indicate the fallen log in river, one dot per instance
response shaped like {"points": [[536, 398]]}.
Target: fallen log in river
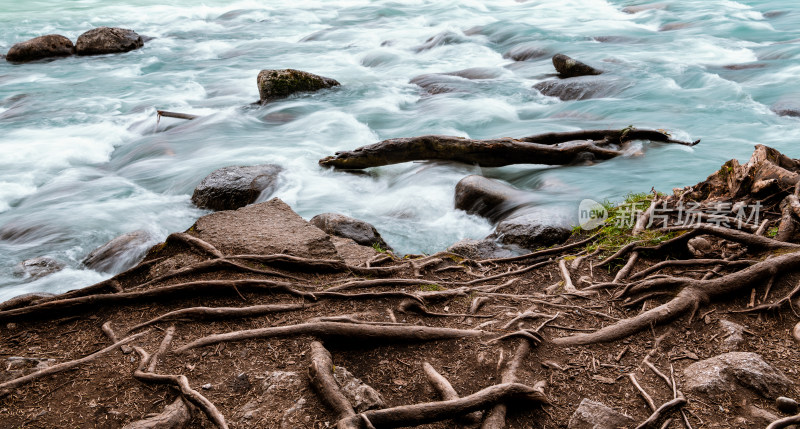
{"points": [[550, 148]]}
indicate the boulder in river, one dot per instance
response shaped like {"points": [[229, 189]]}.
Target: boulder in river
{"points": [[488, 198], [569, 67], [786, 108], [533, 228], [35, 268], [274, 84], [51, 45], [229, 188], [525, 52], [582, 88], [107, 40], [340, 225], [120, 253]]}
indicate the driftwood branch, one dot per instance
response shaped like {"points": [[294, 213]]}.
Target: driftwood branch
{"points": [[551, 149], [65, 365]]}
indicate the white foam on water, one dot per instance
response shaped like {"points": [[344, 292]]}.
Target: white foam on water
{"points": [[81, 161]]}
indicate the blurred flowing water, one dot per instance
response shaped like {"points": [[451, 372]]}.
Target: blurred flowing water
{"points": [[82, 161]]}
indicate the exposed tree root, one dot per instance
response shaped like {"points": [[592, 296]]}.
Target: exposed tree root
{"points": [[205, 286], [195, 243], [212, 265], [321, 374], [428, 412], [296, 263], [777, 304], [659, 415], [412, 306], [694, 294], [688, 262], [182, 384], [202, 313], [340, 331], [447, 393], [543, 252], [175, 415], [64, 366]]}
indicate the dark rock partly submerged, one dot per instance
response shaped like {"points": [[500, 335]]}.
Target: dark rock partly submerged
{"points": [[229, 188], [107, 40], [120, 253], [582, 88], [488, 198], [533, 228], [275, 84], [340, 225], [569, 67], [49, 46]]}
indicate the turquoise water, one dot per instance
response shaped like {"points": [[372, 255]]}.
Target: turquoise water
{"points": [[82, 160]]}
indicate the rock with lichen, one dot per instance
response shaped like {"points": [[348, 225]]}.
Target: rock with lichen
{"points": [[51, 45], [107, 40], [274, 84]]}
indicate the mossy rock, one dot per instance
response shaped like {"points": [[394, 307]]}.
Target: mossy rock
{"points": [[274, 84]]}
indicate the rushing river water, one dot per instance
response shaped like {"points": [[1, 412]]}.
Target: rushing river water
{"points": [[83, 161]]}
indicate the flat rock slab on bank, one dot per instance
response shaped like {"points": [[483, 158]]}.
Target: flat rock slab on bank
{"points": [[263, 229]]}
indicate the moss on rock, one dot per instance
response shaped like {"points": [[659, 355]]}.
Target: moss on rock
{"points": [[273, 84]]}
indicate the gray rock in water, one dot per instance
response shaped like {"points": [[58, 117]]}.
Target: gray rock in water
{"points": [[120, 253], [596, 415], [525, 53], [35, 268], [489, 198], [569, 67], [107, 40], [361, 396], [644, 7], [480, 249], [230, 188], [733, 335], [274, 84], [533, 228], [786, 108], [731, 371], [582, 88], [435, 83], [443, 38], [340, 225], [51, 45]]}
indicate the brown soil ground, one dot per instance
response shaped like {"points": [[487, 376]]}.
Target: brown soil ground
{"points": [[241, 376]]}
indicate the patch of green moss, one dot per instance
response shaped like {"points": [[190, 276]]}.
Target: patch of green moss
{"points": [[617, 231], [430, 288]]}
